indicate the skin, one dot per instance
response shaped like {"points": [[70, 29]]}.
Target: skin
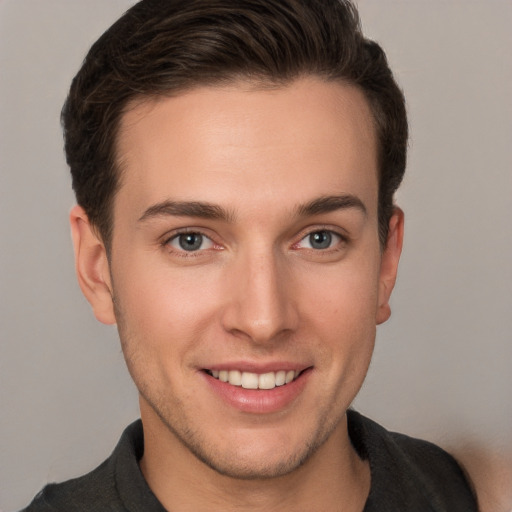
{"points": [[257, 291]]}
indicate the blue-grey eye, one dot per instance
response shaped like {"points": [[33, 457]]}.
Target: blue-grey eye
{"points": [[190, 242], [320, 240]]}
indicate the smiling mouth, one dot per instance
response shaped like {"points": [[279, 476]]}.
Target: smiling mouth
{"points": [[249, 380]]}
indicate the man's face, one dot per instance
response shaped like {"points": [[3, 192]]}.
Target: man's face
{"points": [[246, 248]]}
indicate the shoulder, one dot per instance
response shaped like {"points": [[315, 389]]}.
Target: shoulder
{"points": [[92, 492], [102, 488], [408, 472]]}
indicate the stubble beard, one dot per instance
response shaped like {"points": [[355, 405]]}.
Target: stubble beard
{"points": [[232, 466], [172, 413]]}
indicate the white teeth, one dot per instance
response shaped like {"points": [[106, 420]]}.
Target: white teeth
{"points": [[290, 375], [235, 378], [267, 380], [280, 378], [249, 380]]}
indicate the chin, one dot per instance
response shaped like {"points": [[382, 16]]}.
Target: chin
{"points": [[262, 465], [254, 453]]}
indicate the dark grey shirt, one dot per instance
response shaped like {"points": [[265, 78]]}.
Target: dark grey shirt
{"points": [[406, 475]]}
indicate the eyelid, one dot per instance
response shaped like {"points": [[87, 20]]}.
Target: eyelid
{"points": [[175, 239], [176, 233], [334, 230], [336, 239], [172, 235]]}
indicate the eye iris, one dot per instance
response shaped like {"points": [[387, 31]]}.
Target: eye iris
{"points": [[191, 241], [320, 239]]}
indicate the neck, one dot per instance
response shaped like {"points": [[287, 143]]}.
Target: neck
{"points": [[333, 478]]}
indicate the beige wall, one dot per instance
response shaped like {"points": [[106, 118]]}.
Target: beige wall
{"points": [[442, 365]]}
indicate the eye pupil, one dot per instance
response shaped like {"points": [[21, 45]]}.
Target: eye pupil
{"points": [[191, 241], [320, 239]]}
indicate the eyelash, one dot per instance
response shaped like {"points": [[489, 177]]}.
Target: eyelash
{"points": [[184, 253], [342, 240]]}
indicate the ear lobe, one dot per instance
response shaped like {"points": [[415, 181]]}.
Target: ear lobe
{"points": [[92, 266], [389, 264]]}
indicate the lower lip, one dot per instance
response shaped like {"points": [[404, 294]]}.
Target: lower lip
{"points": [[258, 401]]}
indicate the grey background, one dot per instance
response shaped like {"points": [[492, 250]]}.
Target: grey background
{"points": [[442, 365]]}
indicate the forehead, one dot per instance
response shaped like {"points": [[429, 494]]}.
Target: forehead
{"points": [[218, 144]]}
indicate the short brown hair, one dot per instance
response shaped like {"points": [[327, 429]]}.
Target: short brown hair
{"points": [[163, 47]]}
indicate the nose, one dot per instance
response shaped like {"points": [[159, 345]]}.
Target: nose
{"points": [[259, 303]]}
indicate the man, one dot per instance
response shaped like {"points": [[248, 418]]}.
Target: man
{"points": [[234, 164]]}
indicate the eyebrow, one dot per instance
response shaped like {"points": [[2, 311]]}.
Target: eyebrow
{"points": [[327, 204], [204, 210], [187, 209]]}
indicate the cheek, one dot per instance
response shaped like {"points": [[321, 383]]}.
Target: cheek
{"points": [[346, 293], [342, 313], [162, 305], [162, 317]]}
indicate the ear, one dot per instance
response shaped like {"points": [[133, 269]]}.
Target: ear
{"points": [[389, 264], [92, 266]]}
